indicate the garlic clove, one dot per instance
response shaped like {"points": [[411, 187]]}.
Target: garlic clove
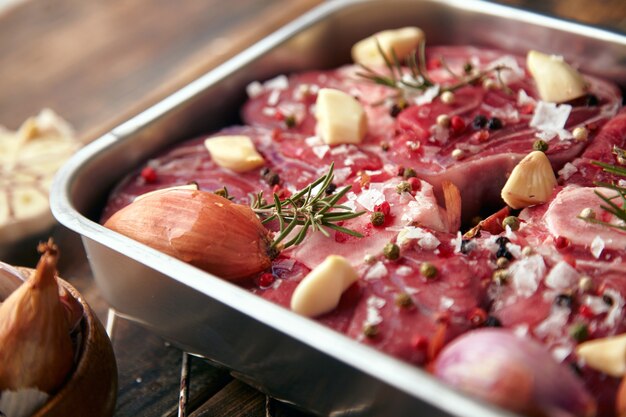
{"points": [[556, 80], [340, 117], [606, 355], [37, 350], [201, 228], [531, 182], [402, 41], [235, 152], [190, 186], [320, 291]]}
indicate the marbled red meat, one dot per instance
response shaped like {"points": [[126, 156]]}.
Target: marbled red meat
{"points": [[491, 279]]}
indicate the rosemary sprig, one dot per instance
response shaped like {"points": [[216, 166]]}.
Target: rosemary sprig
{"points": [[417, 78], [310, 208], [610, 206]]}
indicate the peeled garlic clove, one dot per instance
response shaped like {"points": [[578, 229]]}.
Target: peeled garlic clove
{"points": [[35, 338], [201, 228], [320, 291], [556, 80], [401, 41], [531, 182], [236, 152], [606, 355], [340, 117]]}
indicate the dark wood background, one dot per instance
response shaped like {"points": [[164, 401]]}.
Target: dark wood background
{"points": [[98, 62]]}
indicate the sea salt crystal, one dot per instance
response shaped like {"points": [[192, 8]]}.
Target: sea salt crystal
{"points": [[338, 150], [377, 271], [554, 323], [342, 174], [562, 276], [427, 96], [370, 198], [524, 99], [513, 72], [568, 170], [374, 304], [446, 302], [404, 271], [254, 89], [320, 151], [425, 239], [526, 274], [280, 82], [615, 313], [550, 117], [596, 304], [597, 246], [313, 141], [268, 111], [561, 352], [515, 250], [520, 330], [273, 98], [457, 242]]}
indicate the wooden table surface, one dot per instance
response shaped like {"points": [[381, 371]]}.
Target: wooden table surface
{"points": [[98, 62]]}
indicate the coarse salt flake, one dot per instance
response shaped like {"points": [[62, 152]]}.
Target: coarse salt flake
{"points": [[373, 304], [370, 198], [562, 276], [280, 82], [404, 271], [597, 246], [568, 170], [526, 274], [320, 151], [425, 239], [550, 116], [377, 271], [254, 89]]}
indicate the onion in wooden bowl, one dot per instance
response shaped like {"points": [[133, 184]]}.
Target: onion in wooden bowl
{"points": [[58, 359]]}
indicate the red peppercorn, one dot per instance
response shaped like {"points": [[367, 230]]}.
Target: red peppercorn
{"points": [[383, 207], [282, 193], [340, 237], [416, 184], [149, 175], [266, 279], [400, 171], [279, 116], [477, 316], [457, 124], [419, 342], [561, 242], [585, 311]]}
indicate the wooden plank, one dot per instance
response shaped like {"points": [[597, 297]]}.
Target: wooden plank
{"points": [[96, 63]]}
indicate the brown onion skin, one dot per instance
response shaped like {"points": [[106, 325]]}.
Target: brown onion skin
{"points": [[200, 228], [35, 345]]}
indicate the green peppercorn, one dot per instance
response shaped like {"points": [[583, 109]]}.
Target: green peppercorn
{"points": [[579, 332], [391, 251], [540, 145], [512, 222], [223, 192], [409, 173], [404, 187], [428, 270], [403, 300], [370, 330], [377, 218]]}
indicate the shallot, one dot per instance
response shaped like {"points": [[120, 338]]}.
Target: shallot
{"points": [[514, 373]]}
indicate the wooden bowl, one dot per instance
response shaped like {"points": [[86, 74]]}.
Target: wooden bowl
{"points": [[91, 389]]}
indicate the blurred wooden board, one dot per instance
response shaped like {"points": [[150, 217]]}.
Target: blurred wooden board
{"points": [[98, 62]]}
